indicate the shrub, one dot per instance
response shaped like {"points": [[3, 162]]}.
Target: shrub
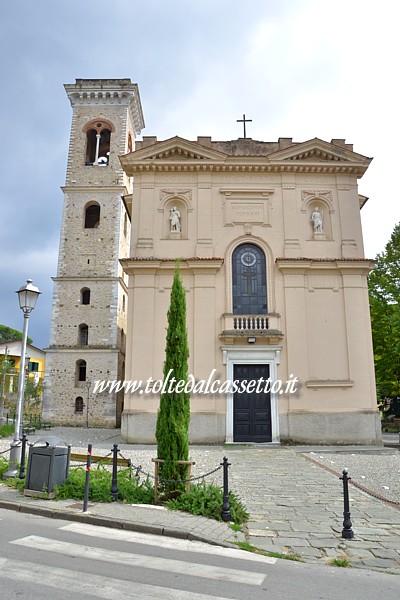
{"points": [[206, 500], [6, 430], [3, 466], [133, 491], [129, 489]]}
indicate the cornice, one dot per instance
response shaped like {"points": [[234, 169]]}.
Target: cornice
{"points": [[178, 154], [348, 266], [107, 92], [327, 383], [239, 165], [84, 278], [100, 189], [151, 265], [82, 349], [245, 191]]}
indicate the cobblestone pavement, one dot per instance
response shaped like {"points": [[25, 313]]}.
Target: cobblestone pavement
{"points": [[295, 504]]}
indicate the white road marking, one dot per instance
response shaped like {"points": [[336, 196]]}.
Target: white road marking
{"points": [[105, 588], [163, 542], [136, 560]]}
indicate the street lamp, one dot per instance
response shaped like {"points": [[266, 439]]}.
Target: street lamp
{"points": [[27, 296]]}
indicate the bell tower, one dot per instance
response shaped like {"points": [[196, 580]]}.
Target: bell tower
{"points": [[88, 327]]}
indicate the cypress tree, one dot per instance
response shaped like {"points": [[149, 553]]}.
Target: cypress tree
{"points": [[172, 431]]}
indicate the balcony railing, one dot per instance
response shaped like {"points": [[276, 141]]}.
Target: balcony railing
{"points": [[251, 324]]}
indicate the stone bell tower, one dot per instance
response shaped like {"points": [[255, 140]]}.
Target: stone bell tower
{"points": [[87, 339]]}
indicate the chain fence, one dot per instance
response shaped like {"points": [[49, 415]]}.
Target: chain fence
{"points": [[117, 455], [9, 449]]}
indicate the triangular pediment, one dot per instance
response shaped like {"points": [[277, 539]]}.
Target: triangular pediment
{"points": [[175, 148], [317, 150], [176, 154]]}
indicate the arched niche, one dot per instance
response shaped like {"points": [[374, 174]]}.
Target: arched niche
{"points": [[318, 220], [174, 213], [317, 207]]}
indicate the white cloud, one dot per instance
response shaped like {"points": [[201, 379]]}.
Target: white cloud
{"points": [[298, 69]]}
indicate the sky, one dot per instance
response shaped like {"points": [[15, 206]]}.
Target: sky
{"points": [[297, 68]]}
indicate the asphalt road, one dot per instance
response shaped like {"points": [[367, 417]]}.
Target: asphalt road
{"points": [[49, 558]]}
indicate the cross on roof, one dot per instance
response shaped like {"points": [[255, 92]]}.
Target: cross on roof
{"points": [[244, 121]]}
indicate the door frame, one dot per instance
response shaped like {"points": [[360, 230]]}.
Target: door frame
{"points": [[245, 356]]}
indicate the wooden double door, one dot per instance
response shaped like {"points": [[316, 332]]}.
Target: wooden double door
{"points": [[251, 409]]}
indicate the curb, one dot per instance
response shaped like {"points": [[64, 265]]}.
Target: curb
{"points": [[113, 523]]}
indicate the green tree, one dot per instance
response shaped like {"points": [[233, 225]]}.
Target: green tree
{"points": [[7, 334], [6, 367], [32, 393], [172, 431], [384, 296]]}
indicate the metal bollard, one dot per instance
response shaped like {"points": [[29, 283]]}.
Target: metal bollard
{"points": [[114, 481], [226, 514], [347, 531], [87, 480], [23, 454]]}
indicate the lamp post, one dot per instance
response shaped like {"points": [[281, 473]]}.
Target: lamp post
{"points": [[27, 296]]}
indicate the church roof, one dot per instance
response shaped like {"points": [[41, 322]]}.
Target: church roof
{"points": [[244, 154]]}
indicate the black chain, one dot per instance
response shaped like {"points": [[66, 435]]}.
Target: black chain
{"points": [[101, 458], [373, 494], [139, 470], [161, 479], [9, 449], [128, 460], [98, 460]]}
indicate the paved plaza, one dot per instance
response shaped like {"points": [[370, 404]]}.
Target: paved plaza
{"points": [[294, 497]]}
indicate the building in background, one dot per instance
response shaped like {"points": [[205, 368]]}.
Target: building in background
{"points": [[10, 360]]}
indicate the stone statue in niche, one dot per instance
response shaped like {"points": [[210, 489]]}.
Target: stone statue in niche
{"points": [[175, 218], [317, 220]]}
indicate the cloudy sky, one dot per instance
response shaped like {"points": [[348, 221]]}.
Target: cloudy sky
{"points": [[298, 68]]}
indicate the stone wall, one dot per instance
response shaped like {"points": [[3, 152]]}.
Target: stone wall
{"points": [[89, 257]]}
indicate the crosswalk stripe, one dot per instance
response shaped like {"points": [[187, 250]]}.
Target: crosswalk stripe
{"points": [[104, 588], [163, 542], [127, 558]]}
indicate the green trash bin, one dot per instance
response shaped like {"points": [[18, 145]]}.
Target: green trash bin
{"points": [[48, 465]]}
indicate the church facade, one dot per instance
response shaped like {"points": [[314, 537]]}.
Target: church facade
{"points": [[268, 239]]}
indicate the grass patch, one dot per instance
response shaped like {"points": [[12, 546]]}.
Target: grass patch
{"points": [[290, 556], [250, 548], [235, 527], [13, 482], [6, 430], [340, 562], [130, 490], [202, 499], [206, 500], [3, 466]]}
